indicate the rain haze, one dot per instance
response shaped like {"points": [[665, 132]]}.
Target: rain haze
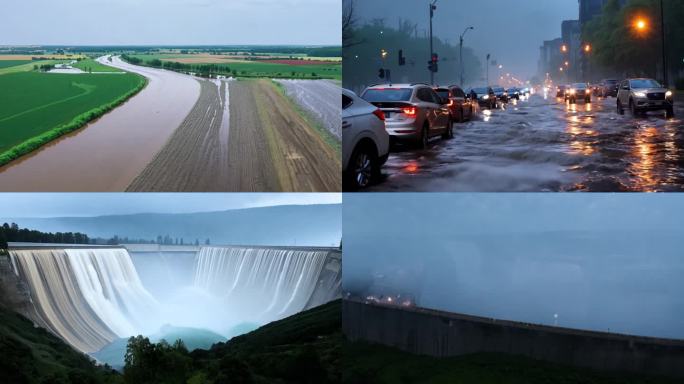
{"points": [[95, 204], [511, 31], [601, 262], [171, 22]]}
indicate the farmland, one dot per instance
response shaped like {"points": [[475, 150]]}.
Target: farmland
{"points": [[12, 63], [241, 65], [38, 107], [90, 65]]}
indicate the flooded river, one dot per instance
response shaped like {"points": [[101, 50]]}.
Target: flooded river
{"points": [[109, 153]]}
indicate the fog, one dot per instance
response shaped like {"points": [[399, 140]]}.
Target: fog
{"points": [[511, 31], [596, 261]]}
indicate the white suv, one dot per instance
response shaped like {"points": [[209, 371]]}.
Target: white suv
{"points": [[365, 142], [412, 111], [641, 95]]}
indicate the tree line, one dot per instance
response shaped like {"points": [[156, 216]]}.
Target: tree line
{"points": [[619, 49], [13, 233]]}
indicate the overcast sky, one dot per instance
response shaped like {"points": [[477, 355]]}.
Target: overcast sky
{"points": [[597, 261], [95, 204], [511, 31], [171, 22]]}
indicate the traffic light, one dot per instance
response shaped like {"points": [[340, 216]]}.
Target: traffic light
{"points": [[381, 73], [433, 63], [402, 59]]}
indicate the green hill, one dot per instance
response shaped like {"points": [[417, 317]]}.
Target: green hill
{"points": [[33, 355]]}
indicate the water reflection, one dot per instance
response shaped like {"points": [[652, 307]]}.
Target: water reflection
{"points": [[655, 158]]}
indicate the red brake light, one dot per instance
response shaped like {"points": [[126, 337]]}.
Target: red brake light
{"points": [[379, 114], [409, 111]]}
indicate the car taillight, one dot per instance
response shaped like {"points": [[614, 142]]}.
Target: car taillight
{"points": [[409, 111], [379, 114]]}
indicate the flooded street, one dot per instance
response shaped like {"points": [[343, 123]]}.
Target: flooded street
{"points": [[542, 144], [109, 153]]}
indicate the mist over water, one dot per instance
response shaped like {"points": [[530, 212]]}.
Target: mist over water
{"points": [[600, 262], [93, 297]]}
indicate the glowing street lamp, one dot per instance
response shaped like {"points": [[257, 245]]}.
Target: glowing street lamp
{"points": [[587, 48], [641, 24], [564, 48]]}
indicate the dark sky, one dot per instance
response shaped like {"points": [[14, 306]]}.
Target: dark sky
{"points": [[512, 31], [608, 262]]}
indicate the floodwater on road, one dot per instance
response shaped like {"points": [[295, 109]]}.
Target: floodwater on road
{"points": [[109, 153], [540, 144]]}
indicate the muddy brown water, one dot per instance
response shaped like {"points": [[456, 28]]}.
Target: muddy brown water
{"points": [[109, 153]]}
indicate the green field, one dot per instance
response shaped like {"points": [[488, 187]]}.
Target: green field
{"points": [[94, 66], [248, 68], [12, 63], [38, 107]]}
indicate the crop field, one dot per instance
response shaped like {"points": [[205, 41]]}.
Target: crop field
{"points": [[93, 66], [39, 107], [283, 67], [12, 63]]}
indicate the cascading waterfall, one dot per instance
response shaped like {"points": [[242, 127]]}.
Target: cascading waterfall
{"points": [[264, 284], [89, 297]]}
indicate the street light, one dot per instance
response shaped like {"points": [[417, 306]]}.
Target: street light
{"points": [[564, 48], [461, 52], [587, 48], [432, 52]]}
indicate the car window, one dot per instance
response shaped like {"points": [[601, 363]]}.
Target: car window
{"points": [[387, 94], [346, 101], [644, 83], [458, 92], [425, 94], [481, 91], [435, 97], [443, 93]]}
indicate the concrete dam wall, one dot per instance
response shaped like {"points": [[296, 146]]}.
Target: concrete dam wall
{"points": [[442, 334]]}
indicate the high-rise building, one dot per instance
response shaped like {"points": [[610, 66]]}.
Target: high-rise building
{"points": [[588, 9]]}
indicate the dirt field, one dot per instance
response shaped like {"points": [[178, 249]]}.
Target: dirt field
{"points": [[194, 158], [266, 147], [287, 146]]}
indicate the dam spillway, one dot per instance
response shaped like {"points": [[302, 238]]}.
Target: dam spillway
{"points": [[91, 296]]}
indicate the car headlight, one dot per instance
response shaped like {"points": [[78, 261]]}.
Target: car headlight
{"points": [[485, 97], [640, 94], [572, 91], [505, 93], [668, 94]]}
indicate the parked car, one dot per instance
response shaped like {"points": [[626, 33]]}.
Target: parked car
{"points": [[514, 93], [460, 105], [365, 142], [484, 96], [500, 93], [560, 91], [578, 91], [412, 111], [609, 87], [641, 95]]}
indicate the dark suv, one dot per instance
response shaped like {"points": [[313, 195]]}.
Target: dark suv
{"points": [[609, 87], [484, 96], [460, 105]]}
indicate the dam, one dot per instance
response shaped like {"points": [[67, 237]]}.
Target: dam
{"points": [[443, 334], [91, 296]]}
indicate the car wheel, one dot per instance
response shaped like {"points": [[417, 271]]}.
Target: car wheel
{"points": [[633, 108], [620, 110], [449, 133], [587, 100], [424, 137], [363, 167], [669, 112]]}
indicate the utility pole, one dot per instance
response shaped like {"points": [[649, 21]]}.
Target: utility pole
{"points": [[487, 65], [460, 55], [662, 34], [432, 52]]}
